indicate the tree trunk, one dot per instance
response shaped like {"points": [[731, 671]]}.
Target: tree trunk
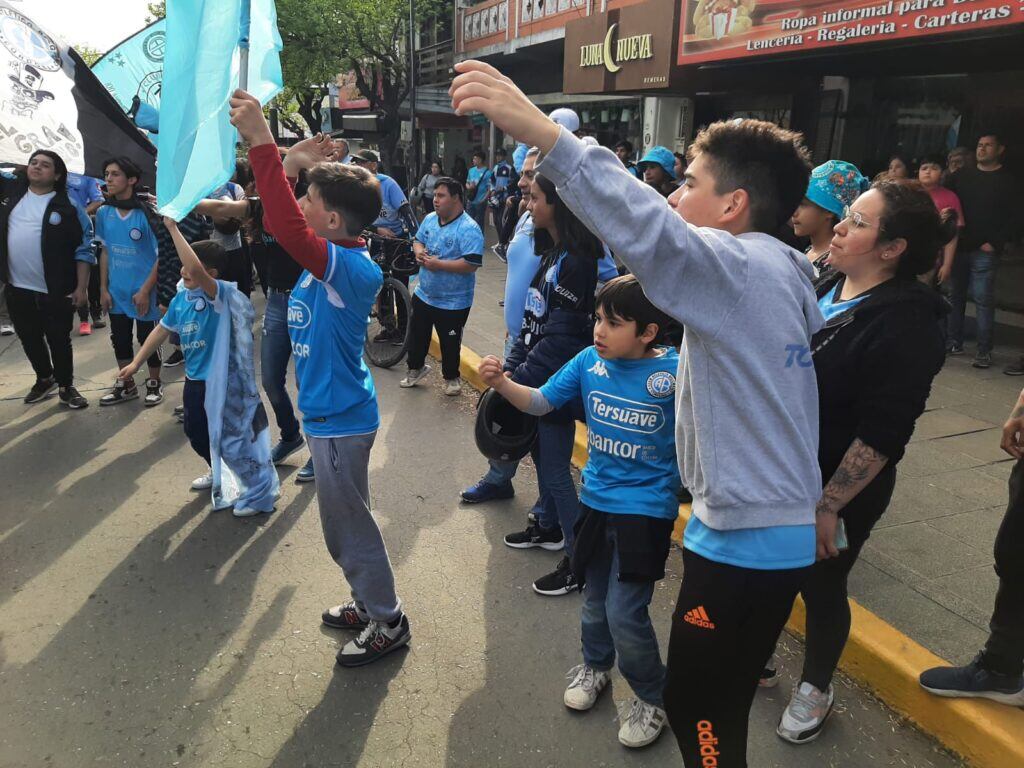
{"points": [[309, 107]]}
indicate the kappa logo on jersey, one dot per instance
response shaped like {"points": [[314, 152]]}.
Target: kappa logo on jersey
{"points": [[625, 414], [661, 384], [299, 315], [135, 234], [599, 369]]}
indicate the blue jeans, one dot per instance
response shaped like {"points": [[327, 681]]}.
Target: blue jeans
{"points": [[478, 212], [553, 458], [615, 621], [275, 351], [974, 272]]}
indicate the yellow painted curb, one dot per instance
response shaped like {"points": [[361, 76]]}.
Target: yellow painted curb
{"points": [[878, 655]]}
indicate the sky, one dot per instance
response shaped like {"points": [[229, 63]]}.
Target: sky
{"points": [[99, 24]]}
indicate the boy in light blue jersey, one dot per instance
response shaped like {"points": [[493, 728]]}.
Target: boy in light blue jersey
{"points": [[449, 247], [327, 315], [627, 383], [479, 183], [129, 256]]}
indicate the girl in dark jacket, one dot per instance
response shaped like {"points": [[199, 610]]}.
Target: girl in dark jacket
{"points": [[875, 360], [557, 324]]}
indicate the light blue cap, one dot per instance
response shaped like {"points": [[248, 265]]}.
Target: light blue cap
{"points": [[660, 156], [835, 185]]}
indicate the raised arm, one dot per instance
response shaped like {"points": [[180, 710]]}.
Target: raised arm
{"points": [[190, 261]]}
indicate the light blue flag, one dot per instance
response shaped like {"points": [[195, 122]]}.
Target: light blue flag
{"points": [[196, 143], [135, 67]]}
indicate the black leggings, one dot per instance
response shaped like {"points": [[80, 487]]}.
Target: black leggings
{"points": [[121, 338], [449, 324], [825, 591], [724, 628], [94, 307]]}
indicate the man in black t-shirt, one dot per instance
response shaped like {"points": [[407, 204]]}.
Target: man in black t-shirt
{"points": [[989, 195]]}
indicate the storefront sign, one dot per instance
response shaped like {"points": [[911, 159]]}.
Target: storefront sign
{"points": [[626, 49], [714, 30]]}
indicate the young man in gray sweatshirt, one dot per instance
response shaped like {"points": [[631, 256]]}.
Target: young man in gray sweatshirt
{"points": [[747, 400]]}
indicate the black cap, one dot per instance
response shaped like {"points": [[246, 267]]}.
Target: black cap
{"points": [[367, 156]]}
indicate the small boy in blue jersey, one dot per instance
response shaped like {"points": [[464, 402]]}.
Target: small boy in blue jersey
{"points": [[629, 505], [195, 314]]}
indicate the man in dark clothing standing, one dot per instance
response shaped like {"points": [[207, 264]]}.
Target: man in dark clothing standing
{"points": [[996, 672], [45, 259], [989, 196]]}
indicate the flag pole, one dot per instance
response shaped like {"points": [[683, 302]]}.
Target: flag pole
{"points": [[243, 46]]}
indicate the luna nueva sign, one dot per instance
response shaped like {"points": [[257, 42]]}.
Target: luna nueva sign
{"points": [[612, 55]]}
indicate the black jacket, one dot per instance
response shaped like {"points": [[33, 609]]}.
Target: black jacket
{"points": [[66, 237], [559, 319], [875, 364]]}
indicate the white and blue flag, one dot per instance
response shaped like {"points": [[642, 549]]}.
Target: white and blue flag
{"points": [[135, 67]]}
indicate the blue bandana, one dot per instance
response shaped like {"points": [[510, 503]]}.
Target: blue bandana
{"points": [[835, 185]]}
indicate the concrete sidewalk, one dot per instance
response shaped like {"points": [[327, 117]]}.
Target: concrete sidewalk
{"points": [[927, 568], [140, 630]]}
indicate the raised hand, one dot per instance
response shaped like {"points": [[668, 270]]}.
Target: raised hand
{"points": [[479, 87], [309, 152], [247, 117]]}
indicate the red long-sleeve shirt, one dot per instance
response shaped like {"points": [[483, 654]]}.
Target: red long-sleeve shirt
{"points": [[281, 213]]}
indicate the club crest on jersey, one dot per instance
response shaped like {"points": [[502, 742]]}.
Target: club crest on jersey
{"points": [[55, 218], [299, 315], [661, 384], [135, 234]]}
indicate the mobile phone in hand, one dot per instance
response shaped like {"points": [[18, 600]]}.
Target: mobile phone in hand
{"points": [[842, 543]]}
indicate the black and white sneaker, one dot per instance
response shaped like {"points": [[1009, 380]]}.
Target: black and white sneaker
{"points": [[70, 397], [122, 392], [41, 390], [377, 639], [550, 539], [154, 393], [179, 413], [176, 358], [345, 616], [561, 581]]}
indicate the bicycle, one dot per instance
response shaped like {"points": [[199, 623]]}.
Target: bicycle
{"points": [[388, 327]]}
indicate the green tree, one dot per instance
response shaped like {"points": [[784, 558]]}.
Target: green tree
{"points": [[89, 55], [367, 37], [156, 11]]}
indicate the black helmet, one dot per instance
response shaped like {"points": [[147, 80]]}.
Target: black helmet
{"points": [[503, 432]]}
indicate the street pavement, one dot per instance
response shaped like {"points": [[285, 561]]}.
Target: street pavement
{"points": [[139, 629]]}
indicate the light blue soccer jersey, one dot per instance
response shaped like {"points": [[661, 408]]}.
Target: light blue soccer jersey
{"points": [[194, 317], [460, 238], [327, 325], [131, 253], [630, 409]]}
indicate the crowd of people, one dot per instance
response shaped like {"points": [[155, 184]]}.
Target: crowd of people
{"points": [[777, 390]]}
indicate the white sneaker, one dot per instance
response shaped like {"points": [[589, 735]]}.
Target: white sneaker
{"points": [[6, 330], [642, 725], [805, 714], [452, 387], [247, 512], [414, 377], [203, 483], [587, 684]]}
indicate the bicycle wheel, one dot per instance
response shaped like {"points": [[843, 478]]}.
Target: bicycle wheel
{"points": [[387, 335]]}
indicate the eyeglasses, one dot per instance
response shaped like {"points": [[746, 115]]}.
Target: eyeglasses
{"points": [[858, 220]]}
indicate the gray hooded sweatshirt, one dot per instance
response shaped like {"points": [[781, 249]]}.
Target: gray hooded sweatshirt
{"points": [[747, 398]]}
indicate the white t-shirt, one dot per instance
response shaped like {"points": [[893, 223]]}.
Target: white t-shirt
{"points": [[25, 241]]}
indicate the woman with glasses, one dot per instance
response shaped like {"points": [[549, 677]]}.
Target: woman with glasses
{"points": [[875, 359]]}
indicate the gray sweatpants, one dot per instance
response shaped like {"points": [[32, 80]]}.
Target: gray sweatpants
{"points": [[352, 535]]}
